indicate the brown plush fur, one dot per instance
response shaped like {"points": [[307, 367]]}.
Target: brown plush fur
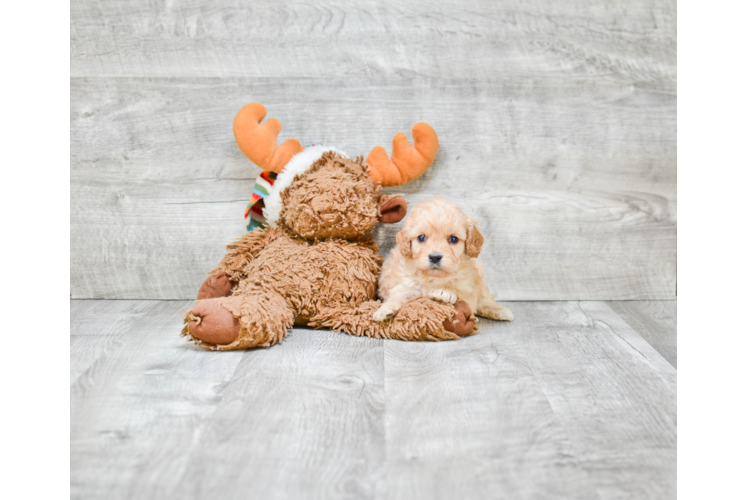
{"points": [[318, 268], [337, 200]]}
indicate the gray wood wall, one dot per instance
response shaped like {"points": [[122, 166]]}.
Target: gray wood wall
{"points": [[557, 127]]}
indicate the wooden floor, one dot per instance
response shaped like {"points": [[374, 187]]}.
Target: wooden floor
{"points": [[572, 400]]}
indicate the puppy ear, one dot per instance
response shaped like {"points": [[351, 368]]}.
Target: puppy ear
{"points": [[392, 208], [474, 240], [403, 243]]}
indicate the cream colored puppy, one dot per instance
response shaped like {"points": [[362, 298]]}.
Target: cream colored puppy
{"points": [[435, 257]]}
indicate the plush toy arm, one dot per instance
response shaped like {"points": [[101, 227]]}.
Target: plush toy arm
{"points": [[419, 319], [244, 250]]}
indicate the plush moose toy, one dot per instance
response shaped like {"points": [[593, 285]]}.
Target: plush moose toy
{"points": [[316, 263]]}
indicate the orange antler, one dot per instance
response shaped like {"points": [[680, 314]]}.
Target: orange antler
{"points": [[258, 142], [408, 162]]}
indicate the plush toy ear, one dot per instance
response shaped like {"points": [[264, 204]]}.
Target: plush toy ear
{"points": [[403, 242], [474, 240], [392, 208]]}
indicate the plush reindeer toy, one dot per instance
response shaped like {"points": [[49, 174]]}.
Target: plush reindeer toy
{"points": [[312, 260]]}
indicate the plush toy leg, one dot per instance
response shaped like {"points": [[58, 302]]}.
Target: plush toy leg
{"points": [[419, 319], [216, 285], [210, 323], [244, 250], [254, 319]]}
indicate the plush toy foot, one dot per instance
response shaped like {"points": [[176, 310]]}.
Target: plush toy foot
{"points": [[213, 324], [216, 285], [460, 323]]}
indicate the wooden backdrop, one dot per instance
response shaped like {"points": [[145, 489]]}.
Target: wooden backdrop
{"points": [[557, 127]]}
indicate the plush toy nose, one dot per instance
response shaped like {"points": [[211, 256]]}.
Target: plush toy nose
{"points": [[435, 258]]}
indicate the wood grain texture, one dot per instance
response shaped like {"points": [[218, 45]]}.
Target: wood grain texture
{"points": [[98, 326], [557, 126], [304, 420], [468, 419], [568, 402], [445, 39], [573, 204], [655, 321], [614, 394], [160, 418], [137, 412]]}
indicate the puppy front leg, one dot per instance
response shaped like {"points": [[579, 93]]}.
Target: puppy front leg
{"points": [[387, 310], [393, 302], [443, 295]]}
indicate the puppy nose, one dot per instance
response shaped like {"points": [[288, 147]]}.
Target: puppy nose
{"points": [[435, 258]]}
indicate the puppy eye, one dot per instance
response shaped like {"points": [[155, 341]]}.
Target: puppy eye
{"points": [[453, 239], [421, 238]]}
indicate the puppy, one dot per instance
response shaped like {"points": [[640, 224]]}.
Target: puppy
{"points": [[435, 256]]}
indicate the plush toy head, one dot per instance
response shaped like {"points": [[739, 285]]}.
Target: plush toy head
{"points": [[318, 192], [335, 198]]}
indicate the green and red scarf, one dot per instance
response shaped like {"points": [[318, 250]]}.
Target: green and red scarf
{"points": [[254, 210]]}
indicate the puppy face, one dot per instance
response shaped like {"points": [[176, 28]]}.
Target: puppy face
{"points": [[437, 236]]}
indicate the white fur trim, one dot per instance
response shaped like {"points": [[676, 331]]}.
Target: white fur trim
{"points": [[296, 165]]}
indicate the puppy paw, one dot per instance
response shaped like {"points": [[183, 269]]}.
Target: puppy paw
{"points": [[385, 312], [443, 295], [497, 313]]}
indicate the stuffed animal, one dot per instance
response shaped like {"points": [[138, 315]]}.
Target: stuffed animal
{"points": [[309, 258]]}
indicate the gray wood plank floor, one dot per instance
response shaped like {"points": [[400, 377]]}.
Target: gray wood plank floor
{"points": [[572, 400]]}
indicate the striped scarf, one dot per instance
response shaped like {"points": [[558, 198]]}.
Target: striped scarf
{"points": [[264, 183], [254, 210]]}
